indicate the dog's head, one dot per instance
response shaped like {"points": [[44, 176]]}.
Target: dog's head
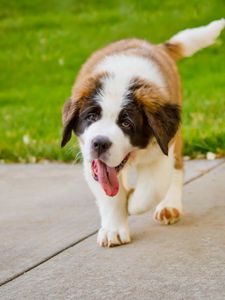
{"points": [[112, 119]]}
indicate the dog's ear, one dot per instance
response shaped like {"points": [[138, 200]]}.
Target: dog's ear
{"points": [[164, 120], [163, 117], [70, 116]]}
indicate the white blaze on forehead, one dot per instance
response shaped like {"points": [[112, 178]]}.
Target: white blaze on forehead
{"points": [[128, 66], [122, 69]]}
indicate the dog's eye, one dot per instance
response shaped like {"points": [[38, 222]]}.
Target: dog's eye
{"points": [[92, 117], [126, 124]]}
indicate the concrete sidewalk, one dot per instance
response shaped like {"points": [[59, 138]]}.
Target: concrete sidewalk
{"points": [[48, 244]]}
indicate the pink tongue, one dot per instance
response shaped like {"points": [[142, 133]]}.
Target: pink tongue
{"points": [[107, 177]]}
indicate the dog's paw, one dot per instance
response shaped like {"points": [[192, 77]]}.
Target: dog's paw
{"points": [[167, 215], [112, 238]]}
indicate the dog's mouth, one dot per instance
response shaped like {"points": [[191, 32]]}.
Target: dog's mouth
{"points": [[107, 176]]}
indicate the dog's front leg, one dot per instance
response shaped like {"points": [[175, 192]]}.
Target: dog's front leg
{"points": [[114, 229], [169, 209], [143, 197], [152, 183]]}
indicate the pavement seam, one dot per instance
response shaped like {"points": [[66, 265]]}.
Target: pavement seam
{"points": [[90, 235], [47, 259], [204, 172]]}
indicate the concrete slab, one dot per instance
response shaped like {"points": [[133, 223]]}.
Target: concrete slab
{"points": [[182, 261], [43, 210], [196, 168]]}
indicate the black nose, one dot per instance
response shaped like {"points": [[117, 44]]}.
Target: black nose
{"points": [[100, 144]]}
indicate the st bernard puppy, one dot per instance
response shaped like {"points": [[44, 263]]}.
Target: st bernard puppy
{"points": [[125, 109]]}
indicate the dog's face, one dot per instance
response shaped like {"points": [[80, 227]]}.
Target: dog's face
{"points": [[112, 119]]}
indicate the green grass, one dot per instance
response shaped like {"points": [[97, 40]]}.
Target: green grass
{"points": [[44, 43]]}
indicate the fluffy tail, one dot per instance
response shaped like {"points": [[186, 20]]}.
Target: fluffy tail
{"points": [[189, 41]]}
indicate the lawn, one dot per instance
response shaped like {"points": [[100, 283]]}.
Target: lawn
{"points": [[44, 43]]}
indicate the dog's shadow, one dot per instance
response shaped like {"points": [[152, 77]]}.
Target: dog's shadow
{"points": [[146, 229]]}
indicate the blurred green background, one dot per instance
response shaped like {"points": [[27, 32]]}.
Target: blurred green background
{"points": [[44, 43]]}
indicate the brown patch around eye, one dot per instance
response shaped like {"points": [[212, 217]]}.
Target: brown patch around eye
{"points": [[138, 132], [83, 96]]}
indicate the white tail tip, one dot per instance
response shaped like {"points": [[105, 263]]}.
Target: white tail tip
{"points": [[195, 39]]}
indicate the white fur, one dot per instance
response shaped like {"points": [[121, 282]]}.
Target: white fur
{"points": [[195, 39], [125, 67]]}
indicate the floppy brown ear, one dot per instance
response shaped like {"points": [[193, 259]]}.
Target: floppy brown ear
{"points": [[69, 117], [164, 120], [163, 117]]}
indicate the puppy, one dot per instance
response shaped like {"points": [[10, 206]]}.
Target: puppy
{"points": [[125, 109]]}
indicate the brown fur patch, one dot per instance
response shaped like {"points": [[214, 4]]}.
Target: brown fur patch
{"points": [[165, 213], [178, 161], [88, 86], [174, 50], [168, 216], [176, 213], [148, 94]]}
